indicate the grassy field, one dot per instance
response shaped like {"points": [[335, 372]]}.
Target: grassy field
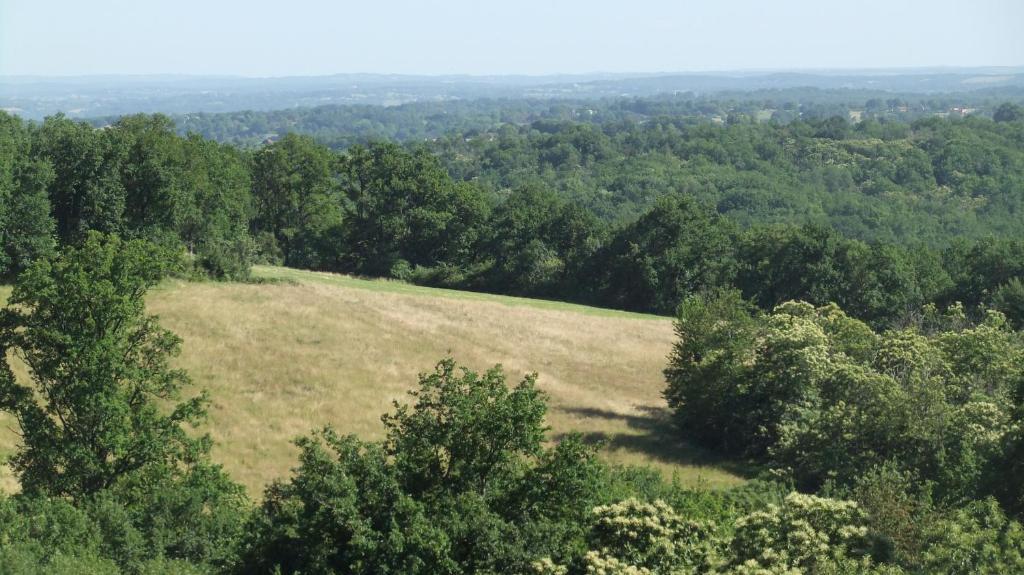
{"points": [[282, 358]]}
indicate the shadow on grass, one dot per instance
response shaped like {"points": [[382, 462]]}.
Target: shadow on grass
{"points": [[657, 437]]}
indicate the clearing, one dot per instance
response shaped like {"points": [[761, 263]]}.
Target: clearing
{"points": [[310, 349]]}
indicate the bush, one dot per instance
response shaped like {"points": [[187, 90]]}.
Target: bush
{"points": [[462, 484], [817, 394], [798, 535]]}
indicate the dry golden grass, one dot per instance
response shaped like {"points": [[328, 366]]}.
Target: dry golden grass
{"points": [[282, 359]]}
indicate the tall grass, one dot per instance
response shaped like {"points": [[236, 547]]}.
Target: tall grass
{"points": [[282, 358]]}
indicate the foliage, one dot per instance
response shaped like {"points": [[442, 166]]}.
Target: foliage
{"points": [[461, 484], [100, 367], [26, 227], [976, 539], [804, 531], [86, 192], [1009, 299], [878, 283], [105, 436], [802, 534], [402, 206], [651, 537], [49, 536], [636, 206], [296, 197], [64, 179], [537, 244], [1008, 112], [191, 189], [677, 249], [819, 394]]}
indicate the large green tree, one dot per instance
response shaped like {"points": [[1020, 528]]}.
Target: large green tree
{"points": [[537, 243], [100, 401], [211, 216], [462, 484], [186, 190], [86, 192], [679, 248], [404, 211], [26, 227], [151, 171], [297, 200]]}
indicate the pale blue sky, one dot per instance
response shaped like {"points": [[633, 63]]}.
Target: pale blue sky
{"points": [[310, 37]]}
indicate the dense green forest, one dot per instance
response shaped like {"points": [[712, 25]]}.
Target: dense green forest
{"points": [[880, 217], [848, 298]]}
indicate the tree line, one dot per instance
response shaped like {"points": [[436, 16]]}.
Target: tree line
{"points": [[61, 179], [880, 218]]}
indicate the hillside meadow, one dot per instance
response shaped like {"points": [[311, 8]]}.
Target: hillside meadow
{"points": [[303, 349]]}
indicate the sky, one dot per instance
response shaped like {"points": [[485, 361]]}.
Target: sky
{"points": [[315, 37]]}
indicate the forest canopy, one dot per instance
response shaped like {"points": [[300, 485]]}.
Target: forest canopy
{"points": [[879, 216]]}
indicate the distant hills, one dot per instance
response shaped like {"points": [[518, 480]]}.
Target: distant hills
{"points": [[35, 97]]}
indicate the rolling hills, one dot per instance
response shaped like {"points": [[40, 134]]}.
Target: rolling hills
{"points": [[302, 349]]}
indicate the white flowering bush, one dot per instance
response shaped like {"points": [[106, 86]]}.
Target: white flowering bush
{"points": [[752, 567], [976, 540], [597, 563], [803, 531], [546, 566], [634, 537], [653, 536], [984, 359], [804, 534]]}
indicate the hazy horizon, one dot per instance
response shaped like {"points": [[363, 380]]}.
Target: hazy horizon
{"points": [[895, 70], [262, 39]]}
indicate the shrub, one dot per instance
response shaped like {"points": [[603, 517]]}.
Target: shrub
{"points": [[817, 394], [462, 484]]}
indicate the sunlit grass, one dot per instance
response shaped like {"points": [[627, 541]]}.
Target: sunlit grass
{"points": [[280, 359], [399, 287]]}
